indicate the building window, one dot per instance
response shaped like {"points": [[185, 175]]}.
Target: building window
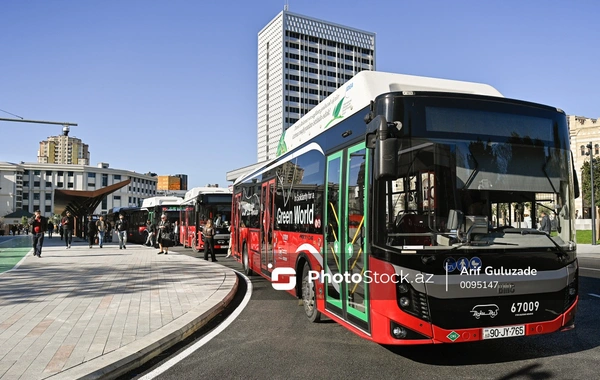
{"points": [[116, 197], [48, 172], [48, 208], [70, 174], [91, 184], [25, 183], [104, 203], [36, 196], [26, 172], [60, 173], [104, 179], [117, 177], [25, 196], [91, 175], [48, 184], [48, 196], [70, 185], [36, 183], [36, 172], [60, 184], [596, 149]]}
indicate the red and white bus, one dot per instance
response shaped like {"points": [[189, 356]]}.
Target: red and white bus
{"points": [[394, 207], [201, 204]]}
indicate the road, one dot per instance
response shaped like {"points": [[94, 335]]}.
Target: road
{"points": [[271, 339]]}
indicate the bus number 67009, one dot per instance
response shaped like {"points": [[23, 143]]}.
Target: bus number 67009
{"points": [[524, 307]]}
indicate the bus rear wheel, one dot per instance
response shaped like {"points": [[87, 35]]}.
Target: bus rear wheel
{"points": [[195, 246], [246, 262], [309, 298]]}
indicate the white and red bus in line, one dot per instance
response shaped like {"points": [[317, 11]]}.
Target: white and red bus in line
{"points": [[201, 204], [390, 209], [171, 206]]}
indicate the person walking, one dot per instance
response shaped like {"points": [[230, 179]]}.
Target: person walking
{"points": [[209, 240], [101, 227], [50, 229], [91, 230], [176, 233], [164, 235], [121, 228], [229, 248], [545, 225], [39, 226], [68, 224], [151, 233]]}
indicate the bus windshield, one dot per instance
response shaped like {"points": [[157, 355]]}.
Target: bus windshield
{"points": [[478, 174]]}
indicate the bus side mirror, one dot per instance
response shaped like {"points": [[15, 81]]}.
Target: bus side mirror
{"points": [[380, 137]]}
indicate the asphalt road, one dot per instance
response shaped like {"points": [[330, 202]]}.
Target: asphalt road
{"points": [[272, 339]]}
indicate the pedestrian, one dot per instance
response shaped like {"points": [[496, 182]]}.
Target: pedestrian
{"points": [[229, 248], [60, 231], [150, 238], [50, 229], [68, 224], [121, 228], [545, 225], [164, 235], [39, 226], [91, 230], [209, 240], [101, 227], [176, 233]]}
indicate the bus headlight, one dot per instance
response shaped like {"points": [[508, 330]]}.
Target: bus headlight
{"points": [[404, 302]]}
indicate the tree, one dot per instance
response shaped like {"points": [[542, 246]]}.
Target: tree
{"points": [[586, 184]]}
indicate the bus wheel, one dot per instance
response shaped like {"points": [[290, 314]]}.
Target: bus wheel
{"points": [[194, 246], [246, 262], [309, 298]]}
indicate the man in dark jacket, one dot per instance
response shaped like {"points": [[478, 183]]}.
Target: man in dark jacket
{"points": [[545, 225], [39, 225], [91, 230], [121, 228], [68, 224]]}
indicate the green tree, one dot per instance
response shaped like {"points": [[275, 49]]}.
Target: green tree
{"points": [[586, 183]]}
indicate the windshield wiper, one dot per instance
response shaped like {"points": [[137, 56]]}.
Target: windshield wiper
{"points": [[562, 254]]}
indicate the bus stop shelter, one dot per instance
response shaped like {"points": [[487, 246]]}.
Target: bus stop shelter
{"points": [[82, 203]]}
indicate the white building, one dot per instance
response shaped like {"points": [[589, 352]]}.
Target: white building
{"points": [[31, 186], [582, 131], [302, 60]]}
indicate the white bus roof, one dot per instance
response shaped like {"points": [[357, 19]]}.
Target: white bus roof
{"points": [[194, 192], [358, 92], [159, 201]]}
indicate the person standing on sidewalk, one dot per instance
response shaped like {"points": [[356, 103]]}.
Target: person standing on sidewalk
{"points": [[50, 229], [150, 229], [39, 225], [121, 228], [176, 233], [209, 240], [91, 230], [164, 235], [68, 224], [101, 227]]}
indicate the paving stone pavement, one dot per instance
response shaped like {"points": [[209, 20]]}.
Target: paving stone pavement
{"points": [[90, 313]]}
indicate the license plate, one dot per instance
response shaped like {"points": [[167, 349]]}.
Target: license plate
{"points": [[503, 332]]}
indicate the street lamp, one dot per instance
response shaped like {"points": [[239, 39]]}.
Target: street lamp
{"points": [[589, 153]]}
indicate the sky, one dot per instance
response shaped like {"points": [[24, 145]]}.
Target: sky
{"points": [[169, 86]]}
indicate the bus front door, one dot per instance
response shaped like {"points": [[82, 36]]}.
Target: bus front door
{"points": [[235, 231], [345, 256], [267, 208]]}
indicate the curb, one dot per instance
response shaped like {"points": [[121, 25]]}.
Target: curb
{"points": [[135, 354]]}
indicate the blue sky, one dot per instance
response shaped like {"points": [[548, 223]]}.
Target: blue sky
{"points": [[170, 86]]}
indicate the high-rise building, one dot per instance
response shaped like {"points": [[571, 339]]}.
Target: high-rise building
{"points": [[183, 181], [301, 61], [63, 150]]}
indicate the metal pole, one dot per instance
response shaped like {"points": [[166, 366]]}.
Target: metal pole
{"points": [[40, 122], [593, 201]]}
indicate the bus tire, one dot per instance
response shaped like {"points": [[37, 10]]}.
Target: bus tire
{"points": [[194, 246], [245, 262], [309, 297]]}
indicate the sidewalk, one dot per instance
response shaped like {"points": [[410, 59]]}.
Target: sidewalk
{"points": [[94, 313]]}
